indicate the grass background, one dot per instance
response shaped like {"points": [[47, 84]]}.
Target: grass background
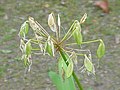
{"points": [[98, 25]]}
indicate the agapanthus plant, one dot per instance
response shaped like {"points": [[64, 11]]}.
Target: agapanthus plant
{"points": [[45, 43]]}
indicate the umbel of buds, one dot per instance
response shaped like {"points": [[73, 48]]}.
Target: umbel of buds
{"points": [[43, 43]]}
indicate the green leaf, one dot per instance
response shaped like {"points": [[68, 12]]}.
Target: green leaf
{"points": [[77, 33], [88, 64], [24, 29], [49, 47], [56, 80], [69, 70], [28, 48], [68, 82], [25, 60], [101, 49]]}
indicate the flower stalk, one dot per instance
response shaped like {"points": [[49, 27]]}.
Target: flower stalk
{"points": [[74, 75]]}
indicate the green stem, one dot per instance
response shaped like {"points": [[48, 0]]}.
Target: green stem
{"points": [[71, 44], [35, 49], [76, 53], [74, 75], [77, 81], [84, 42], [69, 33], [91, 41]]}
